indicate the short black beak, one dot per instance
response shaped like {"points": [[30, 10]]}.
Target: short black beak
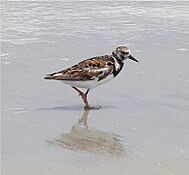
{"points": [[132, 58]]}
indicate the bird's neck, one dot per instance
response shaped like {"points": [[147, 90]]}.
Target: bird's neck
{"points": [[118, 64], [115, 56], [119, 58]]}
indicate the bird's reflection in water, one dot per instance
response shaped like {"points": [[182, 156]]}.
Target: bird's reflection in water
{"points": [[83, 138]]}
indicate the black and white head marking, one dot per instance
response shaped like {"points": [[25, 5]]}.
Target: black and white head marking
{"points": [[121, 53]]}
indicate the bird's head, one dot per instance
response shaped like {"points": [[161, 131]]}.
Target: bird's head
{"points": [[122, 52]]}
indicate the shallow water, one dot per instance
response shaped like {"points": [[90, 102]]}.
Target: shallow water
{"points": [[143, 124]]}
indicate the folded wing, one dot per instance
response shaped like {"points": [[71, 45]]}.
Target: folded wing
{"points": [[94, 68]]}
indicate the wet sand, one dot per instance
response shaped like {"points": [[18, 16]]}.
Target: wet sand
{"points": [[142, 127]]}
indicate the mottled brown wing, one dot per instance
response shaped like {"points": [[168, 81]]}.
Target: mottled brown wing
{"points": [[94, 68]]}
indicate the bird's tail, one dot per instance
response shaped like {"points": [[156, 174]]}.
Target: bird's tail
{"points": [[50, 76]]}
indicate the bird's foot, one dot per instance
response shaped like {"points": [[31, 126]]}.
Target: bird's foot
{"points": [[92, 108]]}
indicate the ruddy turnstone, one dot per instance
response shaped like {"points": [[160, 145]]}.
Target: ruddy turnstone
{"points": [[93, 72]]}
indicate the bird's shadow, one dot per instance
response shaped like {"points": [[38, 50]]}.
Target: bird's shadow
{"points": [[74, 108]]}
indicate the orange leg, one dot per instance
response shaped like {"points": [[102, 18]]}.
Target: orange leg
{"points": [[84, 98]]}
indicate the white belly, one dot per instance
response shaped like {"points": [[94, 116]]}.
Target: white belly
{"points": [[88, 84]]}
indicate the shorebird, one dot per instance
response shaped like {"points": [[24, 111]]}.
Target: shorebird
{"points": [[93, 72]]}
